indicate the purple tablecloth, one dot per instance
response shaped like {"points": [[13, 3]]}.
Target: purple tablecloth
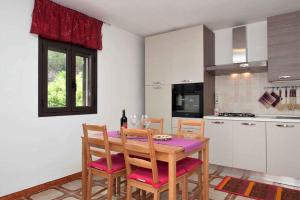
{"points": [[188, 144]]}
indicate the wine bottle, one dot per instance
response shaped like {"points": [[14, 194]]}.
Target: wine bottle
{"points": [[124, 120]]}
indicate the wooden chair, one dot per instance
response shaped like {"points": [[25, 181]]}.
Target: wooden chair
{"points": [[159, 122], [143, 170], [108, 166], [198, 132], [198, 127]]}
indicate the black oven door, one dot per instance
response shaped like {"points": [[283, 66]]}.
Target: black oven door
{"points": [[187, 100]]}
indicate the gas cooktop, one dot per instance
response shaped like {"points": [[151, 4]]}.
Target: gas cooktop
{"points": [[226, 114]]}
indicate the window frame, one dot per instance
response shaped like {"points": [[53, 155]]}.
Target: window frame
{"points": [[71, 51]]}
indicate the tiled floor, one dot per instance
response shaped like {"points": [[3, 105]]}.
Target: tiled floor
{"points": [[72, 190]]}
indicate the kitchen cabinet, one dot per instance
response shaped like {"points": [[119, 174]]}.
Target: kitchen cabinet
{"points": [[175, 57], [257, 41], [249, 145], [284, 47], [158, 104], [220, 133], [187, 61], [283, 149], [158, 59]]}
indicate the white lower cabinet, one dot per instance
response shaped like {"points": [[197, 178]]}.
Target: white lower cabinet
{"points": [[283, 142], [158, 104], [220, 133], [271, 147], [249, 145]]}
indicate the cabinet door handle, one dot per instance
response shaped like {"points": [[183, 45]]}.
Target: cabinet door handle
{"points": [[285, 125], [217, 122], [284, 77], [157, 82], [187, 81], [248, 124]]}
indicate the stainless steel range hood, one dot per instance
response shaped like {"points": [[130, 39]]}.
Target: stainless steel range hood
{"points": [[240, 62]]}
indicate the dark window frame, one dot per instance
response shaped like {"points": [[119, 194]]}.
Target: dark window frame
{"points": [[71, 51]]}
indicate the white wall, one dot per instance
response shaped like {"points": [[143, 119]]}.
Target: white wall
{"points": [[36, 150]]}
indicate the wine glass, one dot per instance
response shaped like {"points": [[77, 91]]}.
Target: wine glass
{"points": [[146, 121], [133, 120]]}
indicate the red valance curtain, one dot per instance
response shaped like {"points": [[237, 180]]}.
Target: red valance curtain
{"points": [[53, 21]]}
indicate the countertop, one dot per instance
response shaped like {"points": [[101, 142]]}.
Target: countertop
{"points": [[259, 118]]}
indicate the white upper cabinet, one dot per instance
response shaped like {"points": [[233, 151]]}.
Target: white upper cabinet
{"points": [[175, 57], [249, 145], [158, 59], [187, 60], [257, 41]]}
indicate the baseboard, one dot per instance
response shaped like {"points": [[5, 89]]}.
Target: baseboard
{"points": [[41, 187]]}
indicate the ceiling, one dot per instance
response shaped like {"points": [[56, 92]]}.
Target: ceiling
{"points": [[147, 17]]}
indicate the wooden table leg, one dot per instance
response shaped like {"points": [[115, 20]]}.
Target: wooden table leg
{"points": [[205, 174], [84, 172], [172, 176]]}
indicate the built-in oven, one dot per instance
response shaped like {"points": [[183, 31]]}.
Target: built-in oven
{"points": [[187, 100]]}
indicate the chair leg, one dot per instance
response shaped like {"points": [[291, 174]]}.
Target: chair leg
{"points": [[177, 189], [128, 192], [110, 187], [184, 194], [138, 197], [89, 185], [114, 191], [143, 195], [118, 185], [200, 183], [156, 195]]}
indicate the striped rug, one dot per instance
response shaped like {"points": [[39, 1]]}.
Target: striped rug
{"points": [[256, 190]]}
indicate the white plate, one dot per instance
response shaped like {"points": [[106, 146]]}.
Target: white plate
{"points": [[162, 137]]}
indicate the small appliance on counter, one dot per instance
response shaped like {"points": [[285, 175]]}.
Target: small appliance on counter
{"points": [[187, 100]]}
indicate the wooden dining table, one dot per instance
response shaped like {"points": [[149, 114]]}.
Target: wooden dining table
{"points": [[166, 153]]}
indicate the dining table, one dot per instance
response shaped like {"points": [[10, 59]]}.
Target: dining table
{"points": [[166, 153]]}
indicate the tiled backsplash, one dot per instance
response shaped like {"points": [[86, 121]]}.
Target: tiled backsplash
{"points": [[240, 93]]}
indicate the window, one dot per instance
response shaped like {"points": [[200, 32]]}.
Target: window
{"points": [[67, 79]]}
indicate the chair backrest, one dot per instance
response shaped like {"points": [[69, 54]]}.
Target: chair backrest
{"points": [[94, 147], [198, 128], [134, 152], [159, 125]]}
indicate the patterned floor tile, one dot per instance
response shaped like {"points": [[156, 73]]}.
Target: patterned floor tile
{"points": [[242, 198], [47, 195], [217, 195], [70, 198], [232, 172], [72, 190], [72, 186], [216, 181]]}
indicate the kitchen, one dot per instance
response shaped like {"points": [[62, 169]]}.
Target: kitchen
{"points": [[219, 79], [241, 68]]}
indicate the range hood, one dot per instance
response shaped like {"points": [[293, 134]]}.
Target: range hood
{"points": [[239, 57]]}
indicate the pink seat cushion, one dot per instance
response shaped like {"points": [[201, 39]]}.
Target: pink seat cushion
{"points": [[117, 160], [189, 164], [145, 175]]}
